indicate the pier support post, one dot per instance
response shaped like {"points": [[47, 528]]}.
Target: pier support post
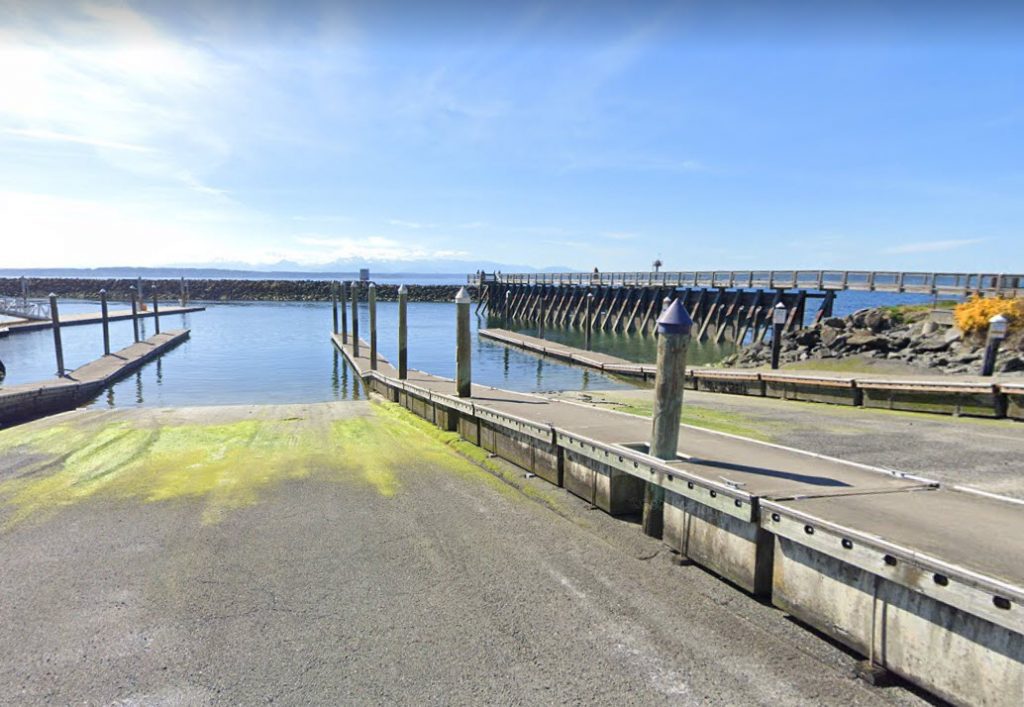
{"points": [[58, 347], [403, 333], [156, 312], [343, 296], [997, 327], [674, 327], [504, 311], [372, 298], [355, 318], [135, 312], [140, 293], [463, 345], [779, 316], [105, 320], [334, 305], [588, 320], [540, 310]]}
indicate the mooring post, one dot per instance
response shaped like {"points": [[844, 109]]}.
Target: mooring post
{"points": [[135, 312], [372, 297], [334, 305], [540, 319], [24, 292], [463, 375], [674, 327], [105, 320], [997, 327], [58, 348], [182, 285], [140, 293], [355, 318], [156, 312], [343, 296], [504, 311], [588, 319], [403, 333], [779, 315]]}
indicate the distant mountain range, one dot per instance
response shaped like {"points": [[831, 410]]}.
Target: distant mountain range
{"points": [[285, 270]]}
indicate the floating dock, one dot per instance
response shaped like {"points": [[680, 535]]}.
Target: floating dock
{"points": [[30, 400], [951, 395], [924, 581], [20, 327]]}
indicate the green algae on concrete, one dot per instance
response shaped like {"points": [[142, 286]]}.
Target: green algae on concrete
{"points": [[226, 465]]}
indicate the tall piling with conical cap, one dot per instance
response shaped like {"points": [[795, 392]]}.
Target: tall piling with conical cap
{"points": [[372, 300], [355, 318], [674, 326], [463, 345], [403, 332]]}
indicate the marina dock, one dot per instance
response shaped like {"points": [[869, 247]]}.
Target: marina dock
{"points": [[19, 327], [28, 400], [924, 580], [952, 395]]}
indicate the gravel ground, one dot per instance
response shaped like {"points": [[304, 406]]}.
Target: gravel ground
{"points": [[442, 586], [983, 454]]}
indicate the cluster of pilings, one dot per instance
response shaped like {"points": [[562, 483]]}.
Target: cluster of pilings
{"points": [[719, 314]]}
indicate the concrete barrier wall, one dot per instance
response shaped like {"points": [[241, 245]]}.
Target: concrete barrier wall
{"points": [[962, 640]]}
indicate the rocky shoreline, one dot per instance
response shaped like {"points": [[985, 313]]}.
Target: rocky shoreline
{"points": [[218, 290], [907, 336]]}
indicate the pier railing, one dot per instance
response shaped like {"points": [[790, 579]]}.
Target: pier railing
{"points": [[934, 283]]}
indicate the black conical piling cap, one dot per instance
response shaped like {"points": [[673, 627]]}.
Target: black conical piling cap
{"points": [[675, 320]]}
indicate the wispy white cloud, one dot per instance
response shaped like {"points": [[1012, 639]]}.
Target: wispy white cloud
{"points": [[326, 248], [78, 139], [415, 225], [933, 246]]}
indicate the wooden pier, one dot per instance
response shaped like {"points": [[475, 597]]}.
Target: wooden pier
{"points": [[727, 305], [923, 580]]}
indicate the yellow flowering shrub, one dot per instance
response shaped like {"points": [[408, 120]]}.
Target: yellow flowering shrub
{"points": [[972, 316]]}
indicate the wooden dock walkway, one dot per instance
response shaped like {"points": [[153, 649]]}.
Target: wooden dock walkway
{"points": [[926, 580], [954, 395], [90, 318], [30, 400]]}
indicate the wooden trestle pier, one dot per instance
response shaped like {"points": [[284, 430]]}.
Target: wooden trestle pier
{"points": [[723, 305]]}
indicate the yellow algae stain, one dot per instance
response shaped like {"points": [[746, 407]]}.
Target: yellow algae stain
{"points": [[226, 466]]}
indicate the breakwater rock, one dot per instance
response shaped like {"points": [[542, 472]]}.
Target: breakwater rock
{"points": [[906, 335], [219, 290]]}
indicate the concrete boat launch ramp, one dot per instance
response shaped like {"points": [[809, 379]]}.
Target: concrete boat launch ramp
{"points": [[922, 580]]}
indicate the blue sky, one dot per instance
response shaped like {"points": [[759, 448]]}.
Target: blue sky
{"points": [[726, 136]]}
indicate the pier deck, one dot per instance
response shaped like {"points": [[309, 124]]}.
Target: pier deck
{"points": [[92, 318], [815, 533]]}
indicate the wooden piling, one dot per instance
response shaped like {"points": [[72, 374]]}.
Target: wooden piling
{"points": [[334, 305], [403, 332], [58, 347], [372, 298], [156, 312], [540, 316], [343, 298], [463, 345], [105, 321], [674, 327], [588, 319], [135, 312], [355, 318]]}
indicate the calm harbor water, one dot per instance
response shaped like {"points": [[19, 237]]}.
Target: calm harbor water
{"points": [[262, 352], [244, 353]]}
